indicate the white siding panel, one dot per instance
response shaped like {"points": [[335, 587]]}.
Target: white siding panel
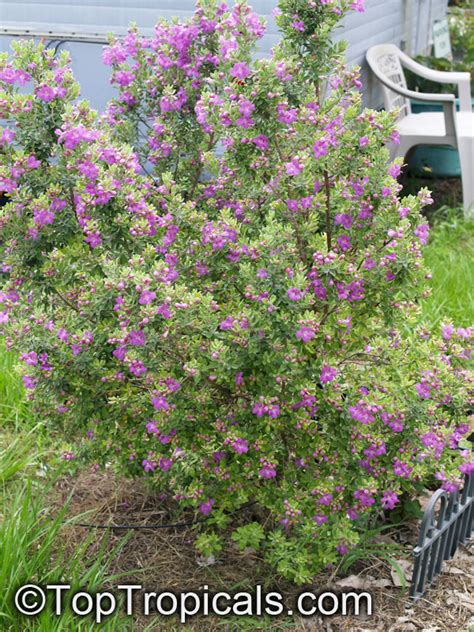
{"points": [[387, 21], [406, 23]]}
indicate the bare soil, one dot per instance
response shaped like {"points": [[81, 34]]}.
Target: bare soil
{"points": [[165, 559]]}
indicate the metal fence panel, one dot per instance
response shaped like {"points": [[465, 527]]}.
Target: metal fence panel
{"points": [[448, 521]]}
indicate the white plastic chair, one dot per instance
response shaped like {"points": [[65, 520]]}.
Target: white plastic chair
{"points": [[428, 128]]}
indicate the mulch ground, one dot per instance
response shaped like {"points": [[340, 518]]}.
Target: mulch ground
{"points": [[166, 560], [446, 194]]}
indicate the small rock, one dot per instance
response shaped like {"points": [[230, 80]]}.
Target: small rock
{"points": [[453, 570], [382, 583], [466, 601], [401, 575], [353, 581]]}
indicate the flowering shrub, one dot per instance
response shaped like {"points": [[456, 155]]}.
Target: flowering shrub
{"points": [[215, 284]]}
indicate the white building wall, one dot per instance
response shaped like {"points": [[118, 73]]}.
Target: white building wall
{"points": [[407, 23]]}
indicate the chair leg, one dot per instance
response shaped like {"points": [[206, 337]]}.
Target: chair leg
{"points": [[401, 150], [466, 158]]}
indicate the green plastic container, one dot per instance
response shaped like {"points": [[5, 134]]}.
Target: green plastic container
{"points": [[434, 161]]}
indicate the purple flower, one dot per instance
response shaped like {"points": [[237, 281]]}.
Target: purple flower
{"points": [[267, 471], [261, 142], [201, 268], [227, 45], [294, 167], [431, 440], [43, 217], [147, 297], [165, 464], [136, 338], [447, 331], [401, 469], [319, 290], [353, 291], [218, 234], [124, 78], [63, 335], [359, 412], [136, 367], [172, 384], [56, 204], [151, 428], [45, 93], [89, 170], [206, 507], [72, 137], [358, 5], [295, 294], [160, 402], [239, 378], [227, 323], [422, 232], [10, 75], [241, 446], [467, 468], [344, 219], [363, 141], [394, 170], [93, 239], [29, 358], [389, 500], [403, 212], [28, 382], [286, 115], [364, 497], [148, 466], [240, 70], [274, 411], [298, 25], [423, 390], [219, 455], [328, 374], [305, 334], [344, 242], [450, 486], [6, 136], [320, 148], [325, 499], [120, 353], [259, 409], [163, 310]]}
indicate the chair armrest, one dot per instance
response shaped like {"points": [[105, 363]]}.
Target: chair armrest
{"points": [[461, 79], [447, 100], [412, 94]]}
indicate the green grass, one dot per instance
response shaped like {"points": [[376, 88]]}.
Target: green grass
{"points": [[17, 454], [13, 405], [33, 550], [450, 257]]}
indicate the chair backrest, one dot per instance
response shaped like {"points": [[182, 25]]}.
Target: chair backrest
{"points": [[384, 61]]}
